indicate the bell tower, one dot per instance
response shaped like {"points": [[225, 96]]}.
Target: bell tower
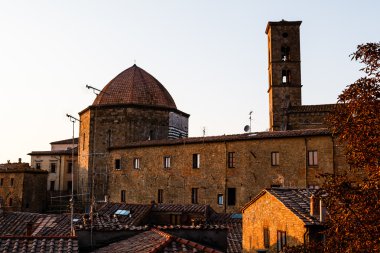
{"points": [[284, 70]]}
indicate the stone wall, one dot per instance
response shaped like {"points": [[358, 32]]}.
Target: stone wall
{"points": [[252, 170], [112, 126], [268, 212]]}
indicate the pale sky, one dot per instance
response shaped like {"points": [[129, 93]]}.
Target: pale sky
{"points": [[211, 55]]}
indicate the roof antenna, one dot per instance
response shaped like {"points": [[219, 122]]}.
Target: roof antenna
{"points": [[204, 131], [134, 61]]}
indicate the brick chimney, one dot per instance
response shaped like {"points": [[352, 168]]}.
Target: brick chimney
{"points": [[314, 206], [29, 228]]}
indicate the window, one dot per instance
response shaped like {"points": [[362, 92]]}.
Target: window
{"points": [[194, 195], [313, 158], [52, 184], [175, 219], [84, 141], [1, 181], [196, 161], [166, 162], [117, 164], [136, 163], [69, 185], [275, 158], [266, 238], [160, 196], [53, 167], [231, 196], [285, 53], [231, 159], [220, 199], [38, 166], [122, 196], [12, 182], [286, 76], [69, 167], [281, 240], [10, 202]]}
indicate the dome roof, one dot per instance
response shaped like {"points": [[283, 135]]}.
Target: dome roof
{"points": [[135, 86]]}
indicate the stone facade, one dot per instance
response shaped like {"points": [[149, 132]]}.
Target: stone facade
{"points": [[239, 165], [103, 127], [58, 162], [286, 111], [279, 217], [18, 191]]}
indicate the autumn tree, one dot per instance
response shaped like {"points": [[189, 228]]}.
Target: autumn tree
{"points": [[353, 198]]}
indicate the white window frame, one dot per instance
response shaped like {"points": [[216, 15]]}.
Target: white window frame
{"points": [[167, 160], [136, 163]]}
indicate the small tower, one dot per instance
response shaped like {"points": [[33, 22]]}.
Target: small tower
{"points": [[284, 69]]}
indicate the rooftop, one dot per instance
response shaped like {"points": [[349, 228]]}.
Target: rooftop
{"points": [[295, 199], [135, 86], [236, 137], [156, 241]]}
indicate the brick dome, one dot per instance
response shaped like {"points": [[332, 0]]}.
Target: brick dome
{"points": [[135, 86]]}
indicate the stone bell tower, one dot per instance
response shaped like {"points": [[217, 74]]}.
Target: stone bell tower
{"points": [[284, 69]]}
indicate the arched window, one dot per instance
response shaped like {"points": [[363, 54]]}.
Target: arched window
{"points": [[285, 53], [286, 75]]}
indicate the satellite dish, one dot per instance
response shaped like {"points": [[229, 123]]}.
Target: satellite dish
{"points": [[246, 129]]}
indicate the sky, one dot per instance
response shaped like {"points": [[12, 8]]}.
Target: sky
{"points": [[211, 55]]}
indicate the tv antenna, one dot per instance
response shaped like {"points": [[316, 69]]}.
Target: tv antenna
{"points": [[248, 128]]}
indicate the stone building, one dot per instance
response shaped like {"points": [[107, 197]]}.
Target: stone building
{"points": [[286, 111], [134, 147], [222, 171], [134, 106], [17, 187], [280, 217], [59, 163]]}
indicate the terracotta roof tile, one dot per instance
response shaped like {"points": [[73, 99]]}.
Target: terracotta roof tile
{"points": [[156, 241], [135, 86], [312, 108], [38, 244], [15, 223], [191, 208]]}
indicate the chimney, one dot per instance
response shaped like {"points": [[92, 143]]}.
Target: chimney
{"points": [[19, 160], [314, 209], [29, 228]]}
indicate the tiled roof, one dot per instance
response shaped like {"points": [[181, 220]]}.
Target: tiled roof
{"points": [[135, 86], [156, 241], [14, 166], [295, 199], [55, 152], [15, 223], [67, 141], [38, 244], [106, 219], [312, 108], [191, 208], [236, 137], [234, 226]]}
